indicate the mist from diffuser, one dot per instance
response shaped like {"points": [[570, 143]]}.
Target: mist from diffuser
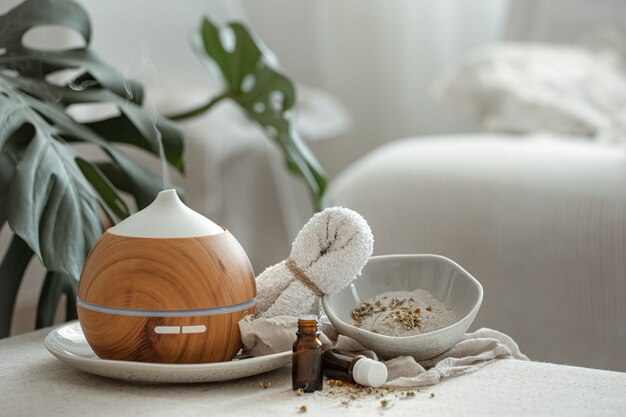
{"points": [[166, 285]]}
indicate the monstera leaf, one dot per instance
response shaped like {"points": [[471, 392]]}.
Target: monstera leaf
{"points": [[52, 197], [252, 79]]}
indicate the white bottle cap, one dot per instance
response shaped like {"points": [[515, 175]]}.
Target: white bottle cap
{"points": [[369, 372]]}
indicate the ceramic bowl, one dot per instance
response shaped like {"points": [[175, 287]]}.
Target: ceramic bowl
{"points": [[442, 277]]}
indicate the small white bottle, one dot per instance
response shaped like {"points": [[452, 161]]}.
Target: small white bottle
{"points": [[355, 369]]}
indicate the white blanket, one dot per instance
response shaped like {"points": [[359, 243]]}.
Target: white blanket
{"points": [[563, 89]]}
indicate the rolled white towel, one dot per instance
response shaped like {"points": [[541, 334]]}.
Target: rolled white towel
{"points": [[330, 251]]}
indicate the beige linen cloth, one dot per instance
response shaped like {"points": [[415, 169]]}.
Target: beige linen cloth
{"points": [[264, 336]]}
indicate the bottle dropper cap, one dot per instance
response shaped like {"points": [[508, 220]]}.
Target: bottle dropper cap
{"points": [[369, 372]]}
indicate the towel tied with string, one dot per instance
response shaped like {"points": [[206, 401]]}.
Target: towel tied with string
{"points": [[327, 254]]}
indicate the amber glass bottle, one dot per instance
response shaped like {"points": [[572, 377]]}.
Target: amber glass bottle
{"points": [[306, 367]]}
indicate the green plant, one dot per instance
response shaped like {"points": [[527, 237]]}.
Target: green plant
{"points": [[252, 80], [53, 198]]}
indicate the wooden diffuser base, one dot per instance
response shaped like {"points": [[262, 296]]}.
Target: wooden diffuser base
{"points": [[131, 338], [163, 299]]}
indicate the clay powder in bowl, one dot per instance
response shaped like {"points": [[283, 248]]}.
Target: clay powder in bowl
{"points": [[459, 292], [402, 313]]}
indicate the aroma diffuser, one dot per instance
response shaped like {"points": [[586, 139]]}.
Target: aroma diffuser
{"points": [[165, 285]]}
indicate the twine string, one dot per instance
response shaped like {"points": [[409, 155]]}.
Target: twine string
{"points": [[302, 277]]}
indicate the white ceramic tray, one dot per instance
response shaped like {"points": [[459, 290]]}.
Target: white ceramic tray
{"points": [[69, 345]]}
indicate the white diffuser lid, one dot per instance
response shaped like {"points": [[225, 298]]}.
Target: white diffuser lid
{"points": [[369, 372], [166, 217]]}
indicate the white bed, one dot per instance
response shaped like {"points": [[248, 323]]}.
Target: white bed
{"points": [[539, 221]]}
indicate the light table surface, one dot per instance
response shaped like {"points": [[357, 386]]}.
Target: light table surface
{"points": [[34, 383]]}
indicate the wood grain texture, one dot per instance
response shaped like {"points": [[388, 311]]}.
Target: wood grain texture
{"points": [[165, 274], [131, 338]]}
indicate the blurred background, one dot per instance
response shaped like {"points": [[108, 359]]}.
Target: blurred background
{"points": [[489, 131]]}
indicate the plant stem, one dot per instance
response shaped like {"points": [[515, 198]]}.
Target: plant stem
{"points": [[320, 202], [198, 110]]}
